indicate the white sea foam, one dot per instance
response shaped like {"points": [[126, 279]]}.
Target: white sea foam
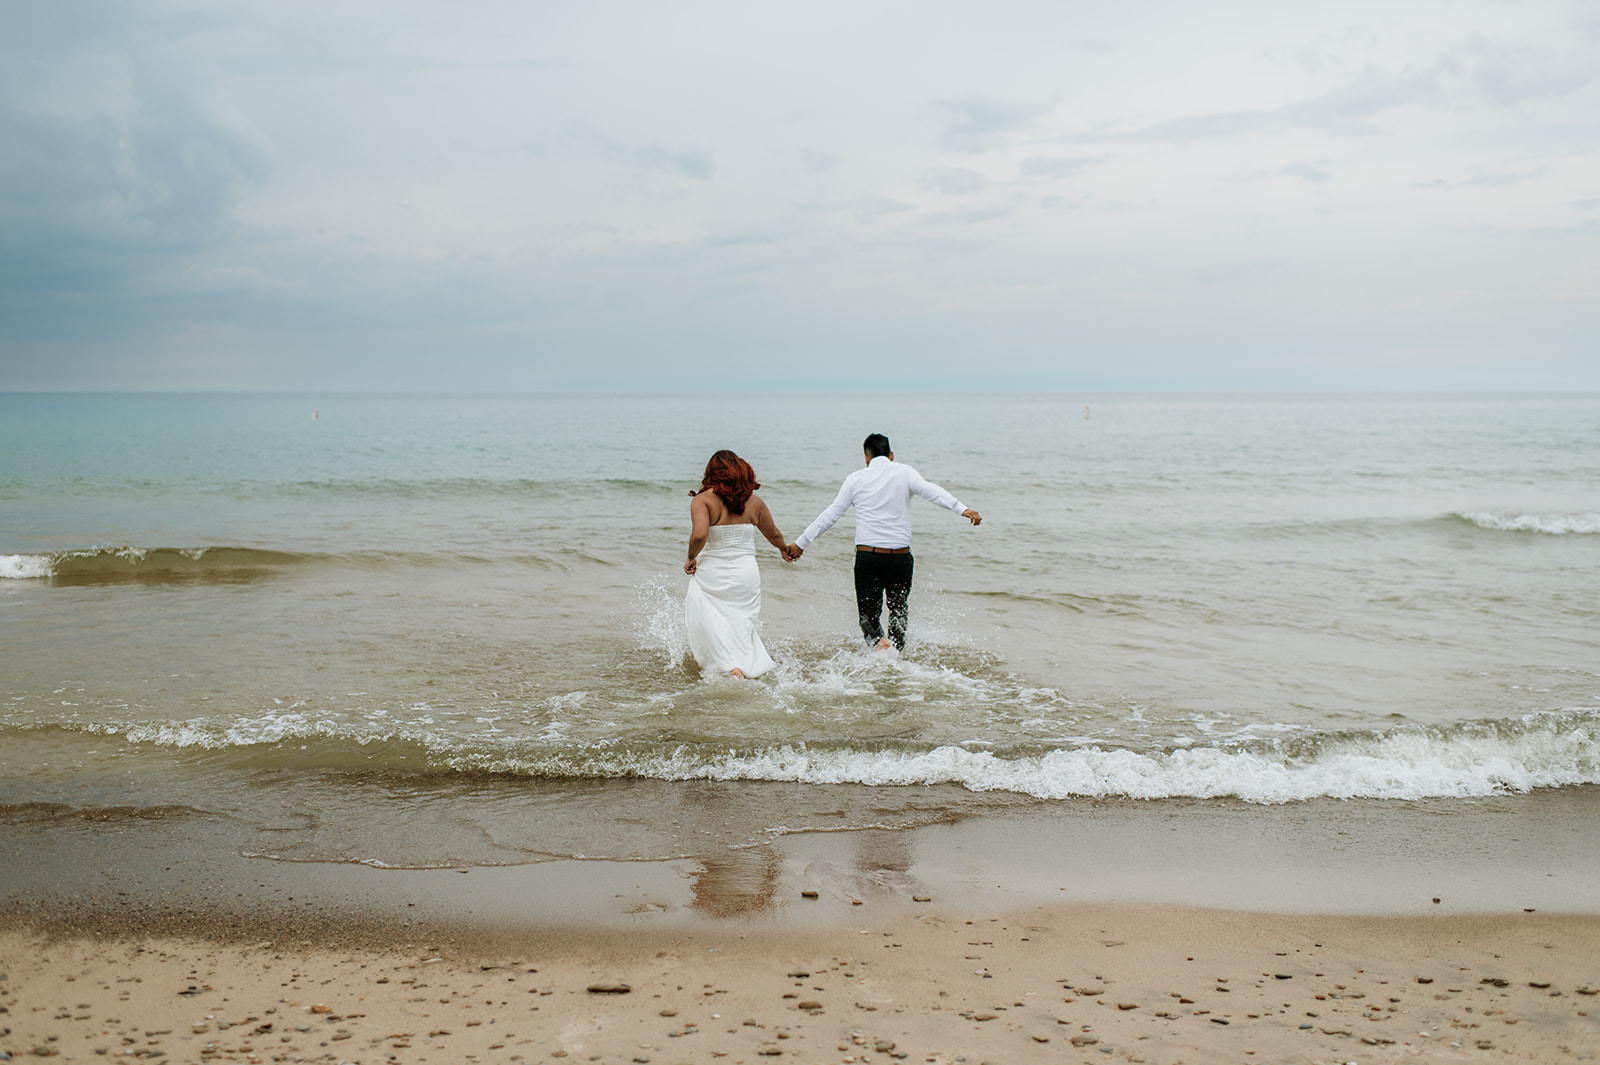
{"points": [[48, 565], [1550, 524], [1403, 764], [1550, 749], [799, 685], [26, 567], [1207, 772]]}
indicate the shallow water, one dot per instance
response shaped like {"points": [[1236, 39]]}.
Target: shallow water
{"points": [[410, 610]]}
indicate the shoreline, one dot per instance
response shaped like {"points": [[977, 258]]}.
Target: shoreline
{"points": [[1124, 931], [1503, 854]]}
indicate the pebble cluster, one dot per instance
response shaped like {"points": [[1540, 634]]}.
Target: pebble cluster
{"points": [[935, 990]]}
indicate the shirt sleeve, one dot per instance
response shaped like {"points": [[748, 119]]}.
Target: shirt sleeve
{"points": [[825, 520], [933, 493]]}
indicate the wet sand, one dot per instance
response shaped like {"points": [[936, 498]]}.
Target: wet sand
{"points": [[1333, 932]]}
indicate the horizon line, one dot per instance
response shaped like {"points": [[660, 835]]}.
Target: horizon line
{"points": [[491, 393]]}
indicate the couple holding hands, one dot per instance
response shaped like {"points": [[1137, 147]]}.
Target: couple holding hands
{"points": [[723, 605]]}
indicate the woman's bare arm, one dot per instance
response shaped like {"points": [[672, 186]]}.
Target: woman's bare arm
{"points": [[764, 522], [699, 530]]}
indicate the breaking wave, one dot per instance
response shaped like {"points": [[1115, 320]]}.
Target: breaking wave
{"points": [[112, 564], [1549, 524], [1545, 749]]}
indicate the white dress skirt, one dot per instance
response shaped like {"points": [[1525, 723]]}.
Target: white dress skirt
{"points": [[723, 605]]}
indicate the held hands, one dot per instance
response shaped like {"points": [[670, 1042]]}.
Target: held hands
{"points": [[972, 516], [792, 552]]}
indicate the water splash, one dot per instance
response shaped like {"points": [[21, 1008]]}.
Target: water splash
{"points": [[658, 608]]}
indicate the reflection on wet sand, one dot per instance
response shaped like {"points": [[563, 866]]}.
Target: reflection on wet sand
{"points": [[743, 883], [877, 853], [739, 883], [882, 861]]}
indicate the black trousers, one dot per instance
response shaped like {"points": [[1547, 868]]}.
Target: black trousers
{"points": [[880, 578]]}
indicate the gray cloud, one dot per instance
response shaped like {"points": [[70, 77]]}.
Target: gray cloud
{"points": [[1347, 110], [1511, 74], [1054, 166], [1487, 180], [269, 195], [818, 161], [968, 215], [871, 208], [109, 183], [687, 162], [974, 123], [1310, 173], [733, 240], [1328, 50], [1501, 180], [954, 181], [1502, 76], [680, 160]]}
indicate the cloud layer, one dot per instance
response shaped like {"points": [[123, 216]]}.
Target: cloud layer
{"points": [[726, 196]]}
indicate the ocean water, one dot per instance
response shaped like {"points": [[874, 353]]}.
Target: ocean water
{"points": [[446, 630]]}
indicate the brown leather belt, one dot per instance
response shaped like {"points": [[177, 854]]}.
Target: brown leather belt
{"points": [[884, 550]]}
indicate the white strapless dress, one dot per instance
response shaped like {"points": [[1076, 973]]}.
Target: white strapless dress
{"points": [[723, 604]]}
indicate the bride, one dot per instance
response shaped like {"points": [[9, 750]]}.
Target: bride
{"points": [[723, 605]]}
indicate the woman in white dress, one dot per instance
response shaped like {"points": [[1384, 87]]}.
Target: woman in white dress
{"points": [[723, 604]]}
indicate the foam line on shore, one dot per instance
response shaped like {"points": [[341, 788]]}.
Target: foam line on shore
{"points": [[1549, 749]]}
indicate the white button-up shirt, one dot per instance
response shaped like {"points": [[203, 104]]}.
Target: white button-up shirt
{"points": [[881, 493]]}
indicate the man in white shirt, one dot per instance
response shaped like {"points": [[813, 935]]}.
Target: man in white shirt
{"points": [[881, 494]]}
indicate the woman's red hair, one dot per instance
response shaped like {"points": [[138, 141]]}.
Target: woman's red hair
{"points": [[731, 478]]}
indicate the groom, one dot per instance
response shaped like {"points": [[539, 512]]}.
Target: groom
{"points": [[881, 494]]}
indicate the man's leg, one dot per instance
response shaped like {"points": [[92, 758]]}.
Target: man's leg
{"points": [[897, 589], [869, 595]]}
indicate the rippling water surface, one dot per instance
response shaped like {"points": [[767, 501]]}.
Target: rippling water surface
{"points": [[411, 615]]}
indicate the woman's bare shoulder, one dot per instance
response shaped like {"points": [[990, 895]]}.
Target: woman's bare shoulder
{"points": [[710, 502]]}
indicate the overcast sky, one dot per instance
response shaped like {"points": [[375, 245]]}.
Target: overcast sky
{"points": [[390, 195]]}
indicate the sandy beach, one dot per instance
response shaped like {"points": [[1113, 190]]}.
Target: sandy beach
{"points": [[1334, 932], [1083, 983]]}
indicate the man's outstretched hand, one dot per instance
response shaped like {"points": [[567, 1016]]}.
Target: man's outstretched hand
{"points": [[972, 516], [793, 552]]}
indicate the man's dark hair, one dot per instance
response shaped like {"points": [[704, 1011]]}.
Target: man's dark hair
{"points": [[875, 445]]}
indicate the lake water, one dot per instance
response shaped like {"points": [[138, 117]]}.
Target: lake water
{"points": [[444, 630]]}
